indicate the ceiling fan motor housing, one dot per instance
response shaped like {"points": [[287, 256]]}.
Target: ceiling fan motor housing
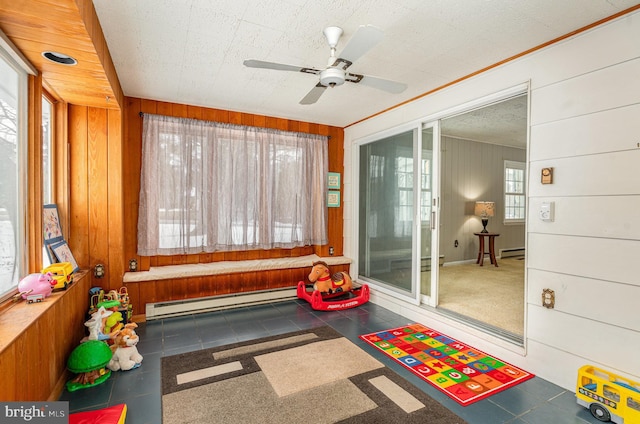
{"points": [[331, 77]]}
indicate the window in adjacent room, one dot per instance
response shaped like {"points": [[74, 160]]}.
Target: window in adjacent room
{"points": [[514, 191], [13, 138], [404, 174]]}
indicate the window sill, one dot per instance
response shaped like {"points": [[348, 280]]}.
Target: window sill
{"points": [[16, 317], [507, 223]]}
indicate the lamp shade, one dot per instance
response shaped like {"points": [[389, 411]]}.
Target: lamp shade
{"points": [[484, 209]]}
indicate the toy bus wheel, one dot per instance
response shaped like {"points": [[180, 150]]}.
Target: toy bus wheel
{"points": [[600, 412]]}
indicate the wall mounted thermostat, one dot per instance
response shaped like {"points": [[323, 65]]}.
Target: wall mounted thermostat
{"points": [[547, 211]]}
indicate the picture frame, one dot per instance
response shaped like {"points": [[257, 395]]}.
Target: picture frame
{"points": [[333, 180], [51, 224], [333, 199], [63, 254]]}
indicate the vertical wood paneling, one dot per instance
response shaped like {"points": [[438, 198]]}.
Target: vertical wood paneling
{"points": [[45, 354], [117, 261], [97, 222], [78, 201], [97, 198], [130, 164], [8, 362]]}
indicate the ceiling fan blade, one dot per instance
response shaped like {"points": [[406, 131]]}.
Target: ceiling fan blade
{"points": [[252, 63], [365, 38], [380, 83], [313, 95]]}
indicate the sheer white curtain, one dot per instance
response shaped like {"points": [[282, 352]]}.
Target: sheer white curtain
{"points": [[207, 186]]}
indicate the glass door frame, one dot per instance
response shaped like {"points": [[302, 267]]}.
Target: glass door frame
{"points": [[415, 296], [434, 222]]}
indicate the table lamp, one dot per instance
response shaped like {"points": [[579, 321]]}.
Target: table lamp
{"points": [[484, 210]]}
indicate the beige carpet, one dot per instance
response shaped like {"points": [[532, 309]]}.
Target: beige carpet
{"points": [[492, 295], [313, 376]]}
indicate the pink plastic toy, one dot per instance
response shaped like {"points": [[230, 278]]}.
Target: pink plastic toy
{"points": [[36, 284]]}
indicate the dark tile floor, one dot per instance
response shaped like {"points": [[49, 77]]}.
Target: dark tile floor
{"points": [[535, 401]]}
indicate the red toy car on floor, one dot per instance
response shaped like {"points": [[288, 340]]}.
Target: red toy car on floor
{"points": [[335, 301]]}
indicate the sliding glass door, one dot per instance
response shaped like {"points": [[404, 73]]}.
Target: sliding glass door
{"points": [[397, 214], [429, 217]]}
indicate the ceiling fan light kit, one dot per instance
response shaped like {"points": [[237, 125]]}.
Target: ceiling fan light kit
{"points": [[331, 77], [364, 39]]}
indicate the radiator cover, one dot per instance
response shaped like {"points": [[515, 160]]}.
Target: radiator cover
{"points": [[181, 307]]}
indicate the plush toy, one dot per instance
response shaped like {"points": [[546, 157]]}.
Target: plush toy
{"points": [[125, 353], [96, 324], [340, 282], [114, 321], [36, 283]]}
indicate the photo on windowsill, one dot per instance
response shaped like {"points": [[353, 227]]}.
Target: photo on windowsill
{"points": [[63, 254], [51, 224]]}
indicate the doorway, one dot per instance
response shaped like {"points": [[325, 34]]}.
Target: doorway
{"points": [[416, 208], [483, 157]]}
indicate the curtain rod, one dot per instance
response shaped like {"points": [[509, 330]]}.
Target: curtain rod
{"points": [[142, 114]]}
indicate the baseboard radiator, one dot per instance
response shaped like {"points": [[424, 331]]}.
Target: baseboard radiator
{"points": [[515, 251], [177, 308]]}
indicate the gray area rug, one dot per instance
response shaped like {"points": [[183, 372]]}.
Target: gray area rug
{"points": [[309, 376]]}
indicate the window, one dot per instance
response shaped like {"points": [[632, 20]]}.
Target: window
{"points": [[13, 98], [47, 151], [207, 186], [404, 174], [47, 162], [514, 191]]}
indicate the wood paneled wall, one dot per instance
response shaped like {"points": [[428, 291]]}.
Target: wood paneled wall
{"points": [[37, 341], [95, 202], [157, 291], [131, 177]]}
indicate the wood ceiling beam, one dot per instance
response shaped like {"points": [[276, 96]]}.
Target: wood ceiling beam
{"points": [[70, 27]]}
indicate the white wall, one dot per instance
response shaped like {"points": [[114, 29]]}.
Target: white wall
{"points": [[585, 123]]}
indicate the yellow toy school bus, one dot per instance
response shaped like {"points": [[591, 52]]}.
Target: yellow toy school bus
{"points": [[62, 272], [608, 396]]}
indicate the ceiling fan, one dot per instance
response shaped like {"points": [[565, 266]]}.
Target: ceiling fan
{"points": [[365, 38]]}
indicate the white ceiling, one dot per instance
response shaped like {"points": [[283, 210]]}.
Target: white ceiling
{"points": [[191, 51]]}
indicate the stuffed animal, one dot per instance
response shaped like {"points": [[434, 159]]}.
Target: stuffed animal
{"points": [[125, 353], [340, 282], [36, 283], [96, 324]]}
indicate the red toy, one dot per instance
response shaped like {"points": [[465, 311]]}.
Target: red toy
{"points": [[112, 415], [332, 292]]}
